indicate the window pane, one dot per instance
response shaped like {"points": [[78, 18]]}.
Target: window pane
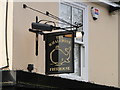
{"points": [[65, 14], [77, 60], [77, 17]]}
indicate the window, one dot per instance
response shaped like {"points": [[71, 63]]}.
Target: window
{"points": [[75, 13]]}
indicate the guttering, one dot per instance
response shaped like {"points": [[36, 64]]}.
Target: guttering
{"points": [[113, 5], [110, 3]]}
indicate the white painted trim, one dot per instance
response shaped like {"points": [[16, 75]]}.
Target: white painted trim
{"points": [[79, 42], [84, 7], [86, 42], [85, 39]]}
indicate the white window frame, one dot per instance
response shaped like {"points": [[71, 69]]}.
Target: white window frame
{"points": [[84, 51]]}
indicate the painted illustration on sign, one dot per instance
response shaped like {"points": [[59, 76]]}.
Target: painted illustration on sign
{"points": [[62, 60]]}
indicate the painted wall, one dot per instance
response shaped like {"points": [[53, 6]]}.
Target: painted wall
{"points": [[103, 47], [2, 34], [24, 41], [10, 34], [119, 50], [3, 59]]}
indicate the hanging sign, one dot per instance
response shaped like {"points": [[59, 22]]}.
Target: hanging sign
{"points": [[59, 52]]}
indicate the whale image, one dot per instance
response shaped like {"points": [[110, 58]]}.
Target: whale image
{"points": [[64, 56]]}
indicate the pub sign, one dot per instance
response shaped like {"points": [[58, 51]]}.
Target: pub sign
{"points": [[59, 52]]}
